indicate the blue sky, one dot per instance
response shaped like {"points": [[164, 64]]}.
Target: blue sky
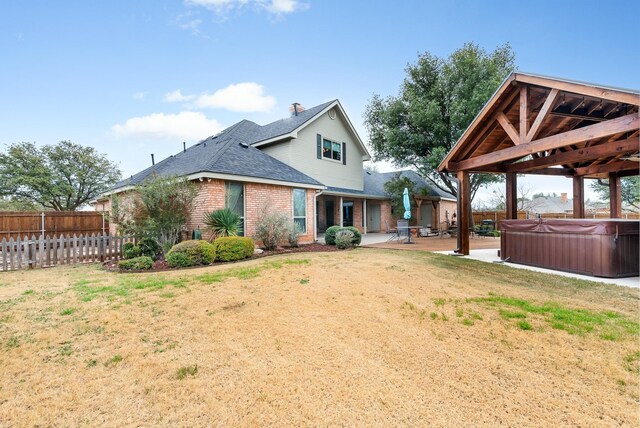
{"points": [[138, 77]]}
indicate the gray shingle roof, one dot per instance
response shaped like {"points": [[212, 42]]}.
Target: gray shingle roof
{"points": [[287, 125], [226, 153], [374, 184]]}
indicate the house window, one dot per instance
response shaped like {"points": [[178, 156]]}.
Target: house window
{"points": [[331, 150], [300, 209], [234, 200]]}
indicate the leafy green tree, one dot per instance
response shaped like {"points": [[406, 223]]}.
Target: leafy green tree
{"points": [[629, 190], [62, 177], [394, 189], [438, 100], [11, 204], [159, 209]]}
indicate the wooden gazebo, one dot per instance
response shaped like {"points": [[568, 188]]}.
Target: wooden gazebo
{"points": [[542, 125]]}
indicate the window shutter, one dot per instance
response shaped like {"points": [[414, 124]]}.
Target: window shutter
{"points": [[319, 146], [344, 153]]}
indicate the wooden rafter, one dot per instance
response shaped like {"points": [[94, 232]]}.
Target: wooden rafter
{"points": [[511, 131], [619, 165], [623, 147], [580, 88], [599, 130], [524, 112], [542, 115]]}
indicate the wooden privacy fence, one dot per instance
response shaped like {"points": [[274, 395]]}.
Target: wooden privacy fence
{"points": [[14, 224], [45, 251]]}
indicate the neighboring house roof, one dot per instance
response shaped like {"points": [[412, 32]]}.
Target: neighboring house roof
{"points": [[374, 185], [288, 128], [550, 204], [225, 153]]}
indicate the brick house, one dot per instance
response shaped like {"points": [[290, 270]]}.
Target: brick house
{"points": [[308, 165]]}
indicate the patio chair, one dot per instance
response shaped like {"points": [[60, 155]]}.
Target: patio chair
{"points": [[403, 229], [389, 230]]}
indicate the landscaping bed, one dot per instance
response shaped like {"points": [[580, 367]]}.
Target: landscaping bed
{"points": [[161, 265]]}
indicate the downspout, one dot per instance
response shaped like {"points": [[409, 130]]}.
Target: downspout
{"points": [[458, 250], [315, 216]]}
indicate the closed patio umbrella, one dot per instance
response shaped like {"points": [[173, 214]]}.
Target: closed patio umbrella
{"points": [[407, 204]]}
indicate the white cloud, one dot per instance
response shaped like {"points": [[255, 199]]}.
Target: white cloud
{"points": [[139, 95], [176, 97], [240, 97], [186, 125], [276, 7]]}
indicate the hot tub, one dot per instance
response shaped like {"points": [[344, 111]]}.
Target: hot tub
{"points": [[607, 248]]}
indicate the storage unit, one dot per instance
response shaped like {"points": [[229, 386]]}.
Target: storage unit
{"points": [[607, 248]]}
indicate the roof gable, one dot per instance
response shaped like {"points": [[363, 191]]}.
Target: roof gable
{"points": [[552, 121], [288, 128]]}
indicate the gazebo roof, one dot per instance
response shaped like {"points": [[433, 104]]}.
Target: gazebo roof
{"points": [[542, 125]]}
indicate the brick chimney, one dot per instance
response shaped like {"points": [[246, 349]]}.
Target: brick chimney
{"points": [[295, 108], [563, 198]]}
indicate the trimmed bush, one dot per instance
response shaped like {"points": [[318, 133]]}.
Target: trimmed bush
{"points": [[179, 260], [132, 252], [330, 235], [197, 253], [357, 236], [150, 248], [136, 263], [232, 248], [344, 238]]}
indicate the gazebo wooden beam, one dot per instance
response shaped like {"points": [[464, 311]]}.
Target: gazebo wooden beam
{"points": [[626, 123], [580, 88], [464, 193], [619, 165], [630, 145], [511, 131], [542, 115], [615, 197], [578, 197]]}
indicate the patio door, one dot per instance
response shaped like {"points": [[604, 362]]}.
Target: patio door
{"points": [[426, 214], [328, 213], [373, 218], [347, 214]]}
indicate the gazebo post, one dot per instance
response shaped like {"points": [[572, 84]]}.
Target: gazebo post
{"points": [[464, 195], [578, 196], [512, 196], [615, 199]]}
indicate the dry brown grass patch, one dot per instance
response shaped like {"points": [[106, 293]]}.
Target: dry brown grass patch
{"points": [[369, 338]]}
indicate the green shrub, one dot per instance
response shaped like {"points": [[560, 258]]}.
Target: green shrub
{"points": [[330, 235], [136, 263], [272, 229], [232, 248], [357, 236], [177, 260], [197, 253], [344, 238], [128, 246], [132, 251], [150, 248], [224, 222]]}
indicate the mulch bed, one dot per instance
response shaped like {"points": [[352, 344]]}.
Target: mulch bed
{"points": [[160, 265]]}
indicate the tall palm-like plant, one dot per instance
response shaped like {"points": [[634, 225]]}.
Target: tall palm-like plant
{"points": [[224, 222]]}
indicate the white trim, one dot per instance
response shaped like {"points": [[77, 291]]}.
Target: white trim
{"points": [[341, 212], [245, 179], [364, 215], [293, 207], [332, 141]]}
